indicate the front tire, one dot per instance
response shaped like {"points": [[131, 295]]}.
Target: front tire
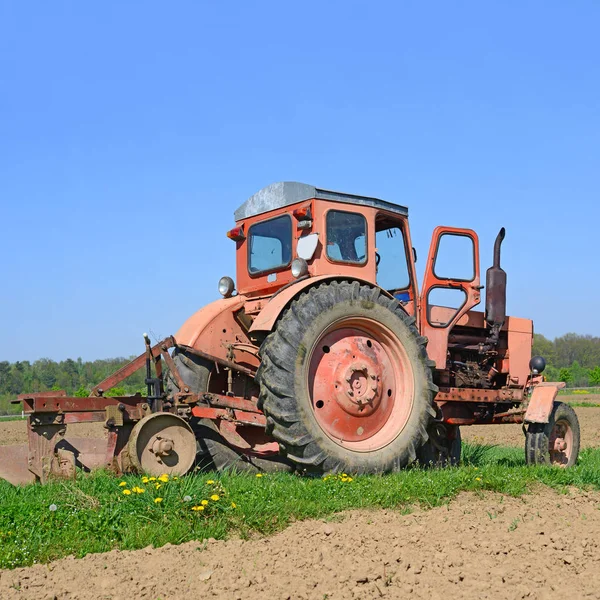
{"points": [[556, 442], [345, 382]]}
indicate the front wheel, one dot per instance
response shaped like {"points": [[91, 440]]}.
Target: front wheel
{"points": [[556, 442]]}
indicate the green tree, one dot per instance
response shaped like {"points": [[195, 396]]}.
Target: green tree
{"points": [[595, 376], [565, 375], [82, 392]]}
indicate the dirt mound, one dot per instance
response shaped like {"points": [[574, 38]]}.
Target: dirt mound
{"points": [[476, 547]]}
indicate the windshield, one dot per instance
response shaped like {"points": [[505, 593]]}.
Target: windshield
{"points": [[270, 245]]}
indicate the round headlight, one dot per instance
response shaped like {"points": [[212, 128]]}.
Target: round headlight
{"points": [[226, 286], [299, 267]]}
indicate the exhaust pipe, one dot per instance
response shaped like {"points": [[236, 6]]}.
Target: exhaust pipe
{"points": [[495, 297]]}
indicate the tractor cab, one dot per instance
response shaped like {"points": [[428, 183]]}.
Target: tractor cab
{"points": [[289, 231]]}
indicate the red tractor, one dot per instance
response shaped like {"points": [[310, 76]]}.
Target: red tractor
{"points": [[323, 356]]}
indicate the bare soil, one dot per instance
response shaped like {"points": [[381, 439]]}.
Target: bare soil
{"points": [[14, 432], [489, 546]]}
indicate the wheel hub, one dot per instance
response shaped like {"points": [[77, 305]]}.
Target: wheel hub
{"points": [[162, 443], [361, 384], [357, 387], [162, 446], [560, 443]]}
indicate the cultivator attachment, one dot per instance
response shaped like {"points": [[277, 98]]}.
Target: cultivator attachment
{"points": [[150, 434]]}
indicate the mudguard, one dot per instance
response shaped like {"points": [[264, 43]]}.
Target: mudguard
{"points": [[270, 313], [214, 328], [542, 401]]}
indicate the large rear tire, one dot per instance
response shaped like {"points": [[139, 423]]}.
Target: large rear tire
{"points": [[442, 449], [213, 450], [345, 382]]}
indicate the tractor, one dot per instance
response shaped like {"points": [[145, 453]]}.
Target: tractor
{"points": [[322, 356]]}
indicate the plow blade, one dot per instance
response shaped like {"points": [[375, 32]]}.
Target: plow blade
{"points": [[85, 453], [13, 465]]}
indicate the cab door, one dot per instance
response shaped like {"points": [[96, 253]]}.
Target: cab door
{"points": [[451, 287]]}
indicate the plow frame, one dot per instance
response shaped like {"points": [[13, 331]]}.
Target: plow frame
{"points": [[51, 454]]}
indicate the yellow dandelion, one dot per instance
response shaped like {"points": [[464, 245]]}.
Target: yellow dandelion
{"points": [[344, 475], [233, 505], [175, 478], [259, 474], [197, 508], [210, 482], [157, 486], [164, 478], [152, 479], [477, 478], [127, 492], [145, 480], [157, 500], [214, 497], [138, 490], [204, 502], [123, 484]]}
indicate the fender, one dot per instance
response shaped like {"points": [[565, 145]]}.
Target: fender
{"points": [[270, 313], [542, 401], [214, 327]]}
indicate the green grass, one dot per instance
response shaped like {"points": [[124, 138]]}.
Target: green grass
{"points": [[93, 515], [576, 404], [15, 418]]}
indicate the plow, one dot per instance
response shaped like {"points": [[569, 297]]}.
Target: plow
{"points": [[326, 356]]}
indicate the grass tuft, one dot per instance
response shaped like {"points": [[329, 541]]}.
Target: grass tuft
{"points": [[99, 512]]}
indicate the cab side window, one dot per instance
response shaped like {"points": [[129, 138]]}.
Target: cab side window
{"points": [[391, 259], [346, 237]]}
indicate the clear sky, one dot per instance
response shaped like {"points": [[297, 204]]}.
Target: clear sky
{"points": [[130, 132]]}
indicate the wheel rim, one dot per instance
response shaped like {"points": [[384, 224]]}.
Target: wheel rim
{"points": [[162, 444], [560, 443], [361, 384]]}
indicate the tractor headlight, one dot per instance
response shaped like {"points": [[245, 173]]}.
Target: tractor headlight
{"points": [[226, 286], [299, 268]]}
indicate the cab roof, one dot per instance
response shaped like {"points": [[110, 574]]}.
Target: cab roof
{"points": [[284, 193]]}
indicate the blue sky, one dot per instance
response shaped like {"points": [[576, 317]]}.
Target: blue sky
{"points": [[130, 132]]}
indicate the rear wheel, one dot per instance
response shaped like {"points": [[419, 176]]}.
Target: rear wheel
{"points": [[345, 382], [556, 442], [442, 449], [213, 449]]}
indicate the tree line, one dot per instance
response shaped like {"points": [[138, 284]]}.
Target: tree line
{"points": [[76, 377], [572, 358]]}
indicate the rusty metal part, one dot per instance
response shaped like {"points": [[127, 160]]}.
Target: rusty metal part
{"points": [[162, 443], [237, 416], [220, 361], [133, 366], [480, 395], [542, 401], [84, 410]]}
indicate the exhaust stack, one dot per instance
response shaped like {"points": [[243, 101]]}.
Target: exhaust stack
{"points": [[495, 298]]}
